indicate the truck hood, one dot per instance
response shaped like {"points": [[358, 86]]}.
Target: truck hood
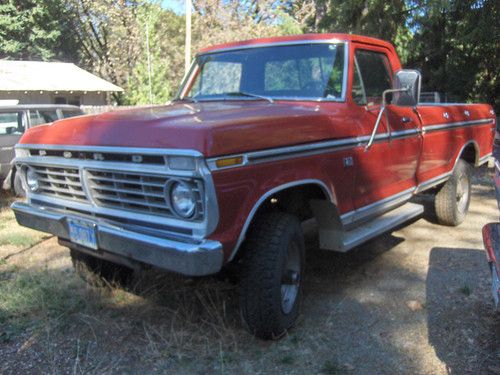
{"points": [[212, 128]]}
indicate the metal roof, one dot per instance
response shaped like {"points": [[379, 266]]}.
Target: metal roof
{"points": [[49, 76], [21, 107]]}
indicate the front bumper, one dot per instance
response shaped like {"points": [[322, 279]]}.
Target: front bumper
{"points": [[189, 258]]}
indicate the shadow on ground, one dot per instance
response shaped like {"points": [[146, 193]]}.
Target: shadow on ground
{"points": [[464, 331]]}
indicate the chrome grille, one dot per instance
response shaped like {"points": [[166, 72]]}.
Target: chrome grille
{"points": [[134, 192], [60, 182]]}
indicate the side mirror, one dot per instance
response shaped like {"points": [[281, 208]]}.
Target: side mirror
{"points": [[407, 82], [406, 92]]}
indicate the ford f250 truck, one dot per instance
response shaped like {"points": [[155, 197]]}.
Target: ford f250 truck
{"points": [[263, 135]]}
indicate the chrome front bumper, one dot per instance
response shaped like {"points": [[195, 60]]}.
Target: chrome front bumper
{"points": [[192, 259]]}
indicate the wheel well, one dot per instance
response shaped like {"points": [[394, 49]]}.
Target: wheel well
{"points": [[469, 154], [293, 200]]}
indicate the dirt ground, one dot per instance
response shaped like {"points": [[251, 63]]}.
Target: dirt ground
{"points": [[414, 301]]}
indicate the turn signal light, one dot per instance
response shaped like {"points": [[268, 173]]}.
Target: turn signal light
{"points": [[228, 162]]}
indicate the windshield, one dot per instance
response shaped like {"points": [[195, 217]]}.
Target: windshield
{"points": [[308, 71]]}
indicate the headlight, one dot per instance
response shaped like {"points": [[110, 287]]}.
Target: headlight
{"points": [[32, 179], [182, 199]]}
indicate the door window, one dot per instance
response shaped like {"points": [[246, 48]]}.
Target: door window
{"points": [[11, 123], [42, 116], [371, 77]]}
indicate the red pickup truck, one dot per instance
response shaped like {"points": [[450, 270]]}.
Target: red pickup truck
{"points": [[263, 135]]}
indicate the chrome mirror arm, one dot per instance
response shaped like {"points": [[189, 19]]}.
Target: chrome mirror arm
{"points": [[375, 128], [379, 117]]}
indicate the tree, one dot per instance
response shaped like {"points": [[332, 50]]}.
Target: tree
{"points": [[220, 21], [456, 44], [35, 30], [108, 37], [163, 70]]}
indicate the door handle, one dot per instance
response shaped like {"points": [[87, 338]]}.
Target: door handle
{"points": [[405, 120]]}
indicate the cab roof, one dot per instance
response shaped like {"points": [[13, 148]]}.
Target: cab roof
{"points": [[296, 39]]}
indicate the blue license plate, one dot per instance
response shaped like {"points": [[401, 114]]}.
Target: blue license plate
{"points": [[83, 232]]}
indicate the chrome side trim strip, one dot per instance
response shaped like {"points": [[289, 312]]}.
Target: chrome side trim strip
{"points": [[261, 200], [457, 124], [308, 149], [432, 182], [376, 208], [484, 159]]}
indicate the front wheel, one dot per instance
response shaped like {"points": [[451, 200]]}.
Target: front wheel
{"points": [[452, 201], [271, 279]]}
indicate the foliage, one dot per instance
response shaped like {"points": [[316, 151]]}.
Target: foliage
{"points": [[108, 37], [219, 21], [37, 30], [456, 44], [164, 30]]}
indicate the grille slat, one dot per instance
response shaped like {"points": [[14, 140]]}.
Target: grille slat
{"points": [[127, 201], [62, 190], [123, 181], [60, 182], [128, 191]]}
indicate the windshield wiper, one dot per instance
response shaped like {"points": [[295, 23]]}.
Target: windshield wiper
{"points": [[241, 93], [186, 99]]}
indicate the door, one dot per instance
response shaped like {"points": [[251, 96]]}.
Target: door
{"points": [[12, 126], [386, 172]]}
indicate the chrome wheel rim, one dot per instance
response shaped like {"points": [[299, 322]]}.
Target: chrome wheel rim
{"points": [[290, 279], [462, 194]]}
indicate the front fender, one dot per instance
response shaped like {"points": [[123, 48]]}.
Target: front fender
{"points": [[242, 190]]}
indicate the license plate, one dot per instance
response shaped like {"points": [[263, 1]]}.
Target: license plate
{"points": [[83, 233]]}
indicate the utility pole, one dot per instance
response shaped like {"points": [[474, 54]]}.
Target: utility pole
{"points": [[187, 47], [149, 64]]}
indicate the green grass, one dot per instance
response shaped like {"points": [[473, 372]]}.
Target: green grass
{"points": [[19, 239], [13, 234], [34, 299]]}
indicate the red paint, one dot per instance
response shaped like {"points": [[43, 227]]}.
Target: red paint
{"points": [[233, 127]]}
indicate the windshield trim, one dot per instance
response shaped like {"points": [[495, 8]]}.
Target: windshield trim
{"points": [[191, 75], [275, 44]]}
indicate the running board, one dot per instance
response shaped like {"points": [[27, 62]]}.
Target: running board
{"points": [[331, 237]]}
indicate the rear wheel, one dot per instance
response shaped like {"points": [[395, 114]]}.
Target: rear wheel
{"points": [[98, 272], [453, 199], [271, 279]]}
